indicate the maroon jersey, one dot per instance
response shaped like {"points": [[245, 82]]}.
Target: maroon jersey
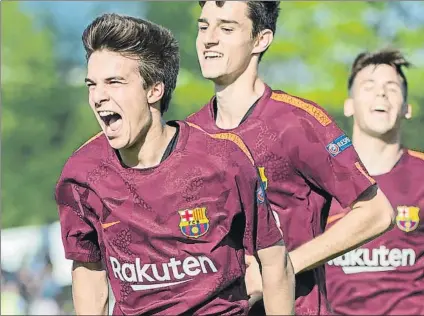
{"points": [[386, 275], [304, 159], [173, 237]]}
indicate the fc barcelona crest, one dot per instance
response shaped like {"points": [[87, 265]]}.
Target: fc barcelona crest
{"points": [[194, 223], [407, 218]]}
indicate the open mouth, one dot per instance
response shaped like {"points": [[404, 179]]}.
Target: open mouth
{"points": [[380, 110], [111, 119], [213, 55]]}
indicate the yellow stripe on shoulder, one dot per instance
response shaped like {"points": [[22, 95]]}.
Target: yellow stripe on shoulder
{"points": [[190, 115], [416, 154], [317, 113], [228, 136], [90, 140]]}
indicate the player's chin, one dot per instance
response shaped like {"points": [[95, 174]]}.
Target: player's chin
{"points": [[118, 143], [119, 140], [210, 73], [380, 130], [217, 78]]}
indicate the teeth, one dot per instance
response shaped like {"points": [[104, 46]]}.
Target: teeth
{"points": [[106, 113], [213, 55]]}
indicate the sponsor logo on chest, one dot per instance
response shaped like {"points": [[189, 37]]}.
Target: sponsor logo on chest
{"points": [[374, 260], [148, 276]]}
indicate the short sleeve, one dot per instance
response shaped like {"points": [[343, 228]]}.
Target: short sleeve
{"points": [[79, 235], [325, 156], [261, 230], [336, 212]]}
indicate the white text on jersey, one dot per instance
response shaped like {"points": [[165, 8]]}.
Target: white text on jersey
{"points": [[374, 260], [171, 273]]}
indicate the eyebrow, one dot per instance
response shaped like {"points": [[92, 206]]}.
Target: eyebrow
{"points": [[393, 82], [220, 21], [86, 80], [373, 81]]}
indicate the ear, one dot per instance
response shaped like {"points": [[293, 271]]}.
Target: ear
{"points": [[407, 111], [348, 108], [155, 93], [263, 40]]}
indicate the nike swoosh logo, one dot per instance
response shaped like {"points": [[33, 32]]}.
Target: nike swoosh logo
{"points": [[107, 225], [334, 218]]}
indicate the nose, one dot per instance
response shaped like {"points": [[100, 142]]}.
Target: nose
{"points": [[99, 96], [381, 91], [210, 39]]}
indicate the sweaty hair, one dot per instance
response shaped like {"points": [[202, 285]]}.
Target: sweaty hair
{"points": [[153, 45], [389, 57], [263, 14]]}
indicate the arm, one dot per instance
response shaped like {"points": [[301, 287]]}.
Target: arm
{"points": [[77, 207], [277, 280], [325, 157], [370, 216], [262, 236], [90, 290], [274, 273], [253, 280]]}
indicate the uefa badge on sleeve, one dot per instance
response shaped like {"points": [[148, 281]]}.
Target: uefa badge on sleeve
{"points": [[260, 195], [338, 145]]}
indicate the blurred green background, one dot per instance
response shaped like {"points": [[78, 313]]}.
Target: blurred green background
{"points": [[45, 113]]}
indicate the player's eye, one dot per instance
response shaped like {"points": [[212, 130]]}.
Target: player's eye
{"points": [[227, 30], [368, 87], [89, 84], [202, 27], [393, 89], [114, 82]]}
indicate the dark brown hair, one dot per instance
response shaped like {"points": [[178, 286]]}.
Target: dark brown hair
{"points": [[153, 45], [263, 14], [391, 57]]}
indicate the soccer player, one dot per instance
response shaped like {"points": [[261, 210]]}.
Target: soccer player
{"points": [[304, 158], [166, 210], [386, 275]]}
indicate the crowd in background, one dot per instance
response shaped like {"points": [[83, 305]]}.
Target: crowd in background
{"points": [[32, 290]]}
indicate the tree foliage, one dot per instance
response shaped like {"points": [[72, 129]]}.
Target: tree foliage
{"points": [[39, 118], [45, 115]]}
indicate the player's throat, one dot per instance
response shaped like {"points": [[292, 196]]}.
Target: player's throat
{"points": [[215, 111]]}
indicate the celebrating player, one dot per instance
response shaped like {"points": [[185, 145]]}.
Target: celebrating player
{"points": [[384, 276], [304, 158], [167, 209]]}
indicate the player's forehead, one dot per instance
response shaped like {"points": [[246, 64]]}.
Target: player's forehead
{"points": [[230, 11], [106, 64], [378, 74]]}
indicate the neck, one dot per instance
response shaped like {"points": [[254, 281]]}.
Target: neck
{"points": [[378, 154], [235, 99], [149, 150]]}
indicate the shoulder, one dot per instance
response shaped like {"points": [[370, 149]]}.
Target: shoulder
{"points": [[416, 158], [230, 143], [86, 157], [298, 109], [226, 148]]}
